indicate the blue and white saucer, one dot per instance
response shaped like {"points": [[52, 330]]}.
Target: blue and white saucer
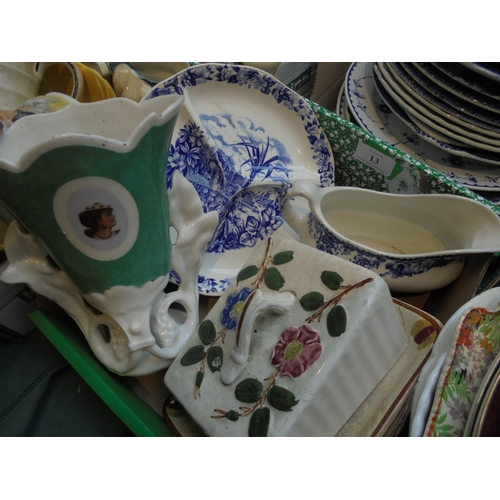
{"points": [[241, 138]]}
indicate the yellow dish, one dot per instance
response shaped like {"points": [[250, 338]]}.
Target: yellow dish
{"points": [[96, 87], [58, 79]]}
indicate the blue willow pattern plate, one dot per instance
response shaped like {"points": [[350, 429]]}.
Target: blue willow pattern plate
{"points": [[241, 138]]}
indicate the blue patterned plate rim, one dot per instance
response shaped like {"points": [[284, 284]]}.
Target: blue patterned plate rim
{"points": [[414, 76], [432, 75], [233, 169], [371, 113], [438, 124], [404, 83], [489, 70], [473, 153], [433, 71]]}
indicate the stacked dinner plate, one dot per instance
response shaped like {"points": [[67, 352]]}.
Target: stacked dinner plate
{"points": [[444, 114]]}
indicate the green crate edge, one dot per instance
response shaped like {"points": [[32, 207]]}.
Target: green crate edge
{"points": [[133, 411], [344, 136]]}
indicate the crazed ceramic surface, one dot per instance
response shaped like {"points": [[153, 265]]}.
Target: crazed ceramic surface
{"points": [[241, 137], [331, 320]]}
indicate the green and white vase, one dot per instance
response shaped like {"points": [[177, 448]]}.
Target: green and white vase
{"points": [[87, 187]]}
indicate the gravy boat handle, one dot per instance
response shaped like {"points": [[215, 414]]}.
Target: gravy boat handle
{"points": [[298, 221]]}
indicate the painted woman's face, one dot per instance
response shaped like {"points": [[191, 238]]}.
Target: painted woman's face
{"points": [[107, 219]]}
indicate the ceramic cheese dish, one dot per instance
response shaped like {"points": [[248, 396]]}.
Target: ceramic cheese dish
{"points": [[292, 348]]}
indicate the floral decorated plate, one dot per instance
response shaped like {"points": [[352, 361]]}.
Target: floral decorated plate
{"points": [[425, 389], [482, 399], [372, 113], [475, 345], [241, 138]]}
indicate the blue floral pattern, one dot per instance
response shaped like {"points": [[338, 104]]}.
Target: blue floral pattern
{"points": [[237, 168], [384, 266], [234, 305]]}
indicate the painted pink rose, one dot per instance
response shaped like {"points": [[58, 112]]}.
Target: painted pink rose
{"points": [[296, 351]]}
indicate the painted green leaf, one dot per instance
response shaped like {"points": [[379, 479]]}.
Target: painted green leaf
{"points": [[232, 415], [207, 332], [312, 301], [447, 427], [248, 390], [259, 423], [282, 257], [273, 279], [441, 419], [247, 273], [193, 355], [215, 356], [282, 399], [199, 378], [331, 279], [336, 321]]}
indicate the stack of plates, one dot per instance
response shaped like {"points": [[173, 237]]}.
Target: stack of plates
{"points": [[446, 115]]}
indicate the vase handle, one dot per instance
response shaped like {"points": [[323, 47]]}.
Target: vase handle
{"points": [[194, 230]]}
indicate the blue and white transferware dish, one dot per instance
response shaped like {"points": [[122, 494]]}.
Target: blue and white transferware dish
{"points": [[454, 115], [426, 75], [417, 243], [451, 86], [440, 124], [371, 112], [431, 135], [241, 138], [471, 79]]}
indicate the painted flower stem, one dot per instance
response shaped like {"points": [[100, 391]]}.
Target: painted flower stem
{"points": [[245, 410], [262, 271], [317, 315]]}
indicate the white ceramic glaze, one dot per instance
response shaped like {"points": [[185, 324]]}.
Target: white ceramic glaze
{"points": [[127, 83], [266, 367], [416, 243], [385, 410], [20, 81], [116, 283]]}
